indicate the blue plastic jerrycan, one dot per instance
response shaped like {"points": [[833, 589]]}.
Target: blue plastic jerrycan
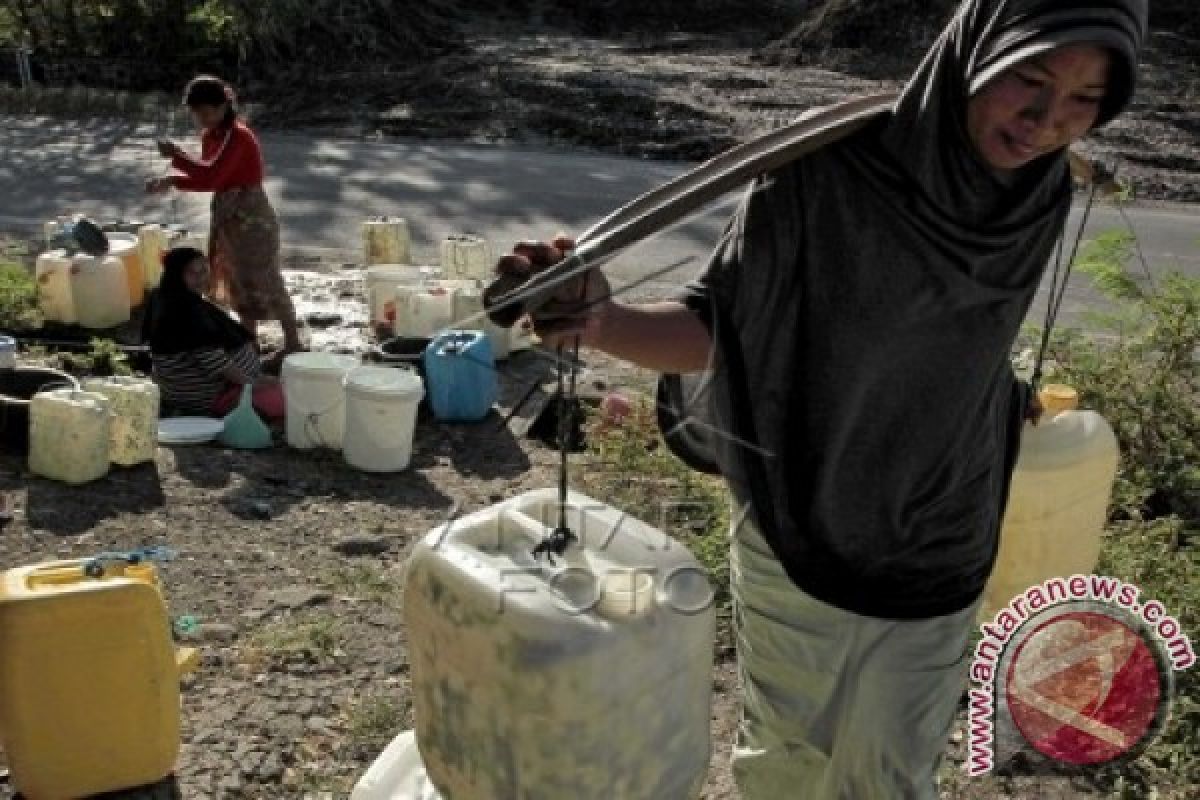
{"points": [[460, 376]]}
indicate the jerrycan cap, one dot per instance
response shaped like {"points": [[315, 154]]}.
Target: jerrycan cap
{"points": [[625, 593], [1057, 397]]}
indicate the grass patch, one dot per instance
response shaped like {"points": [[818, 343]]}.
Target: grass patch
{"points": [[366, 582], [376, 719], [321, 785], [630, 467], [318, 639]]}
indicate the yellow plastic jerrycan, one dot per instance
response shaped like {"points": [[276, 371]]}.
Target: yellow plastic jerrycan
{"points": [[89, 678], [1059, 499]]}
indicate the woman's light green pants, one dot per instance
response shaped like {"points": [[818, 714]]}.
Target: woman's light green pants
{"points": [[837, 706]]}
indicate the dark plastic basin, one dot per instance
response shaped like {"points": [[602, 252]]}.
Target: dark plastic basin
{"points": [[401, 351], [17, 387]]}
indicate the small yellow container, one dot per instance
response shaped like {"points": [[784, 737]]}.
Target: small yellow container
{"points": [[89, 679]]}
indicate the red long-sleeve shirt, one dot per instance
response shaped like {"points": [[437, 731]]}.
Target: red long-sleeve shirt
{"points": [[230, 158]]}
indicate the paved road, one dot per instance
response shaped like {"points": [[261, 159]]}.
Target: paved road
{"points": [[323, 188]]}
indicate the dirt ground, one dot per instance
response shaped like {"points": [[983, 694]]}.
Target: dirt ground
{"points": [[304, 676], [684, 96]]}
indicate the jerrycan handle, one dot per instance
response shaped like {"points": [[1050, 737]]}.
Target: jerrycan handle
{"points": [[94, 566]]}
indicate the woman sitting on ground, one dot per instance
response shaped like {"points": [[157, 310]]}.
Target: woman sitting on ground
{"points": [[202, 357]]}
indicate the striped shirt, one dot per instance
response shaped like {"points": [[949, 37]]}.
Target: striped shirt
{"points": [[192, 381]]}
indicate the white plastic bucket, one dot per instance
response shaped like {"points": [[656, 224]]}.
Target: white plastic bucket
{"points": [[316, 408], [381, 416]]}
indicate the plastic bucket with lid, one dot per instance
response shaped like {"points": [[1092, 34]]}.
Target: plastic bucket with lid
{"points": [[381, 417], [316, 410]]}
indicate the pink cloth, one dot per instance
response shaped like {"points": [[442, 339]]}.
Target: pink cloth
{"points": [[268, 400]]}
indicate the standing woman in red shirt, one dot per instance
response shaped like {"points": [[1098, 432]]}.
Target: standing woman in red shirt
{"points": [[243, 240]]}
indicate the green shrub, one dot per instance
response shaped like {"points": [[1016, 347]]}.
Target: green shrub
{"points": [[1139, 370], [104, 359], [18, 298]]}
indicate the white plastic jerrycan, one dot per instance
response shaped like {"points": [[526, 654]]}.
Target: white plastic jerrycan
{"points": [[53, 274], [1059, 499], [397, 774], [386, 240], [134, 424], [587, 678], [69, 435]]}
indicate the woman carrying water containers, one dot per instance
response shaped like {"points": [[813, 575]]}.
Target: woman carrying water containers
{"points": [[857, 319]]}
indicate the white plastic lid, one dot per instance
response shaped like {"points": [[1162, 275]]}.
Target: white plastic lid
{"points": [[385, 381], [314, 363]]}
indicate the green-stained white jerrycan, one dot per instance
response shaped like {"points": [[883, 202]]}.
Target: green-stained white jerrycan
{"points": [[1059, 499], [589, 678]]}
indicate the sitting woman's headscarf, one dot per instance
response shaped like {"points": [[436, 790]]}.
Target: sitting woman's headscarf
{"points": [[179, 320], [866, 299]]}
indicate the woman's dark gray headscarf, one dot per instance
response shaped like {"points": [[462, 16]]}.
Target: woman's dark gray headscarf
{"points": [[928, 132], [865, 302]]}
